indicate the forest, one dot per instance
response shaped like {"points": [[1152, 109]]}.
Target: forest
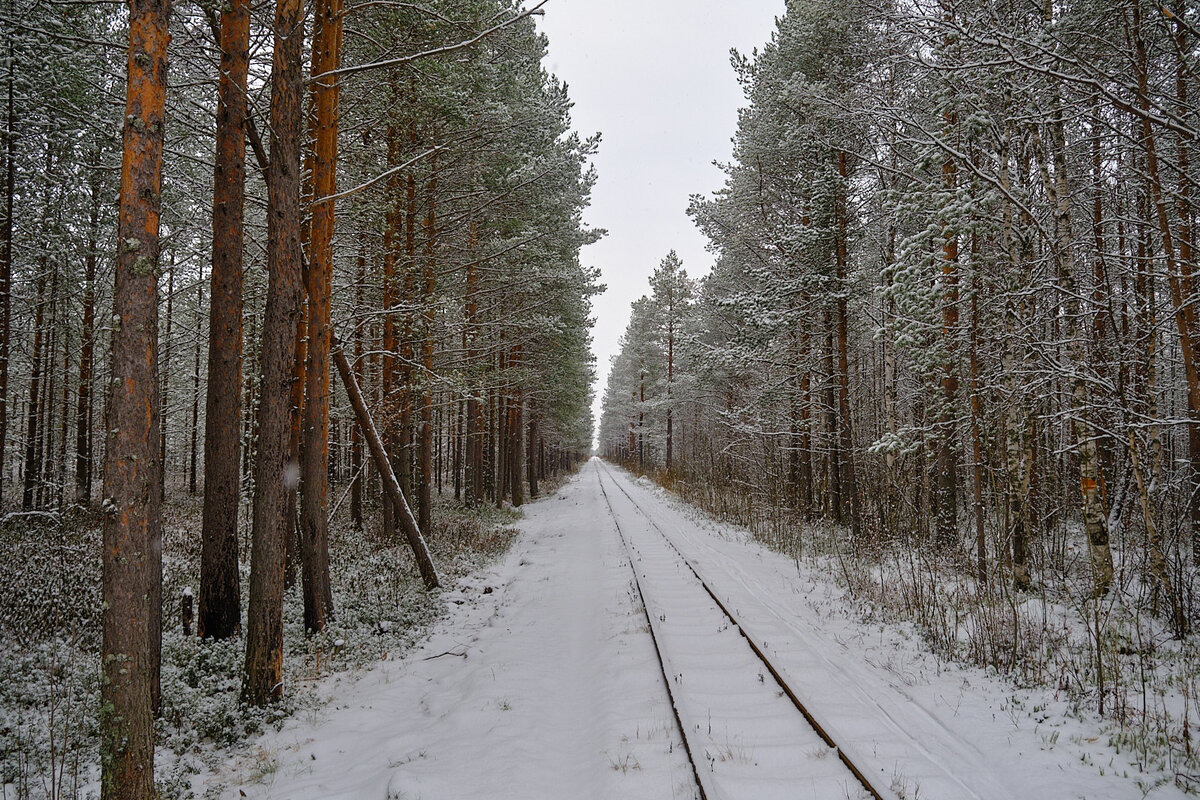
{"points": [[301, 490], [281, 287], [949, 338]]}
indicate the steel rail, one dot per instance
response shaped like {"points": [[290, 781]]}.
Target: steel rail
{"points": [[776, 673]]}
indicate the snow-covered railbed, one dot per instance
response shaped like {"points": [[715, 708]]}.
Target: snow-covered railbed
{"points": [[747, 739], [939, 730], [543, 682]]}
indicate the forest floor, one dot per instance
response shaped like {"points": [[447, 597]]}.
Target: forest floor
{"points": [[49, 640], [542, 681]]}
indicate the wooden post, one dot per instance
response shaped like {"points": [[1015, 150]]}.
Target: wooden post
{"points": [[185, 611]]}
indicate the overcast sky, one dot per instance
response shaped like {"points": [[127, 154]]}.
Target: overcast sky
{"points": [[652, 76]]}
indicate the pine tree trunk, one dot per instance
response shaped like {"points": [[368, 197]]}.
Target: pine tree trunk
{"points": [[132, 561], [296, 423], [670, 381], [531, 462], [6, 255], [33, 467], [356, 453], [977, 442], [165, 398], [219, 613], [425, 503], [833, 497], [516, 428], [402, 454], [394, 219], [196, 393], [806, 468], [846, 432], [474, 422], [314, 499], [947, 457], [1179, 275], [1187, 232], [83, 411], [60, 459], [274, 476]]}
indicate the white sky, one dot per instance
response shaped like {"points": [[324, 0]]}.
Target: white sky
{"points": [[653, 76]]}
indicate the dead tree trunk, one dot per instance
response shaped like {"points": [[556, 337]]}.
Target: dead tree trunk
{"points": [[411, 531]]}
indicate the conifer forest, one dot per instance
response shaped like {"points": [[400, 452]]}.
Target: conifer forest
{"points": [[317, 481]]}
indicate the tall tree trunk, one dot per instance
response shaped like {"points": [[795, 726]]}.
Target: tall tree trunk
{"points": [[45, 438], [196, 391], [846, 432], [394, 219], [314, 500], [833, 498], [274, 475], [296, 405], [670, 382], [516, 451], [425, 502], [1187, 235], [165, 398], [403, 452], [6, 249], [220, 604], [641, 434], [45, 444], [83, 410], [60, 460], [356, 453], [132, 561], [1179, 275], [806, 470], [947, 456], [474, 421], [977, 435], [531, 461], [1095, 519], [33, 466]]}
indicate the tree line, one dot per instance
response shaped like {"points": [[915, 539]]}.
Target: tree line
{"points": [[388, 191], [954, 297]]}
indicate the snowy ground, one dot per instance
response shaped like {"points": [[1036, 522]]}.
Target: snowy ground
{"points": [[543, 683]]}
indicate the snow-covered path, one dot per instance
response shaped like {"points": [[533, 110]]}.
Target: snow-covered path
{"points": [[546, 686], [543, 683]]}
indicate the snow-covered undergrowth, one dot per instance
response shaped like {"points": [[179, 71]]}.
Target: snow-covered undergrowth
{"points": [[1113, 661], [49, 640]]}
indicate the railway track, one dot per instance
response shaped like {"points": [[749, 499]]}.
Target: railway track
{"points": [[746, 731]]}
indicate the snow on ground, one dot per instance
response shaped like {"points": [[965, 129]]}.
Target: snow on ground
{"points": [[750, 742], [547, 686], [543, 683], [932, 724]]}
